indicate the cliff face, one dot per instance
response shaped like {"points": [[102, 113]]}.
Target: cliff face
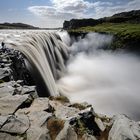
{"points": [[128, 17]]}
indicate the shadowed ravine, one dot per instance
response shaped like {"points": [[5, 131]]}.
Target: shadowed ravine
{"points": [[107, 80]]}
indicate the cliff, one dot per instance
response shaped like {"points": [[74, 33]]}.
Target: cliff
{"points": [[125, 17]]}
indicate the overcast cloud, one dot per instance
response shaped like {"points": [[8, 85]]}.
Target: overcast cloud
{"points": [[65, 10]]}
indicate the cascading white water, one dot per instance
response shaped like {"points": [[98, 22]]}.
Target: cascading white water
{"points": [[45, 52], [107, 80]]}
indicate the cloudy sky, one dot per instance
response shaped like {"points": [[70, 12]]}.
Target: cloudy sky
{"points": [[52, 13]]}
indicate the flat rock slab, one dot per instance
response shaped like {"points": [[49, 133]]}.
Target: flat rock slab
{"points": [[38, 129], [6, 136], [16, 124], [9, 104], [39, 104], [3, 119], [6, 89]]}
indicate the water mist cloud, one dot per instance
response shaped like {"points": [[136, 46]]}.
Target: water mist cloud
{"points": [[109, 81]]}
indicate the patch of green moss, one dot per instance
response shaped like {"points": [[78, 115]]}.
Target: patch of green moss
{"points": [[126, 30]]}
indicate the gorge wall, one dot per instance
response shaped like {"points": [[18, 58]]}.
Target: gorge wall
{"points": [[128, 17]]}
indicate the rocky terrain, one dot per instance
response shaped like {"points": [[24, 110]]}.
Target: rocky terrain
{"points": [[26, 116]]}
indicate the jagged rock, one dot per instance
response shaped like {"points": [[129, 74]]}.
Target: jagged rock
{"points": [[6, 91], [62, 111], [88, 137], [38, 129], [9, 104], [67, 133], [3, 119], [39, 104], [36, 133], [38, 119], [124, 129], [99, 123], [27, 89], [14, 87], [6, 136], [5, 74], [16, 124]]}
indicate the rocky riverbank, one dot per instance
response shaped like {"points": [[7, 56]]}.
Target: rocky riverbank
{"points": [[26, 116]]}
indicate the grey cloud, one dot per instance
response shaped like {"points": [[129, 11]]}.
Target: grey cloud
{"points": [[65, 10]]}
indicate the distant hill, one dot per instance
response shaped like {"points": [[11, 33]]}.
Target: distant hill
{"points": [[16, 26], [124, 17]]}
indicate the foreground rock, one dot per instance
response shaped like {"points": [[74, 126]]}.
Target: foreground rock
{"points": [[24, 116], [124, 129]]}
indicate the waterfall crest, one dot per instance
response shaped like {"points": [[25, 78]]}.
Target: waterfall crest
{"points": [[45, 52]]}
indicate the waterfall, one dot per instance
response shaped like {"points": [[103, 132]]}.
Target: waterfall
{"points": [[46, 54]]}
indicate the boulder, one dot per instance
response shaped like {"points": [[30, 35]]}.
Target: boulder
{"points": [[124, 129], [16, 124]]}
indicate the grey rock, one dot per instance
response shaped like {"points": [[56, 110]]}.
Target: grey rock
{"points": [[5, 74], [27, 89], [38, 119], [67, 133], [62, 111], [38, 105], [16, 124], [3, 119], [6, 89], [38, 129], [124, 129], [9, 104], [88, 137], [36, 133], [99, 123], [6, 136]]}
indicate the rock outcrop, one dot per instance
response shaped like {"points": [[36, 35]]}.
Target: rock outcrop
{"points": [[129, 17], [25, 116]]}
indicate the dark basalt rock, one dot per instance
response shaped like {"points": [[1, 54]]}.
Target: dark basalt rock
{"points": [[13, 67], [129, 17]]}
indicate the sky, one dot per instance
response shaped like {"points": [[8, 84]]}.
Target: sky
{"points": [[52, 13]]}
